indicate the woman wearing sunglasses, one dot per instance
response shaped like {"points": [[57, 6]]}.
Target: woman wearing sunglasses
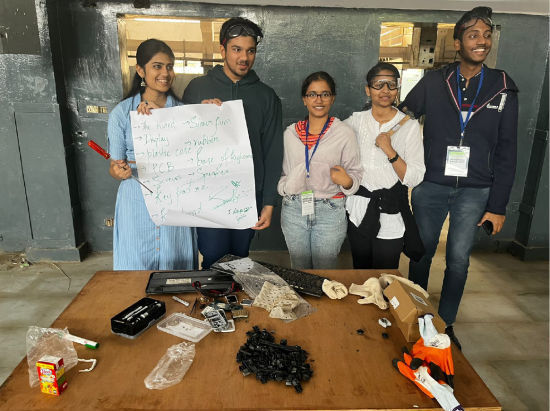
{"points": [[321, 166], [380, 222]]}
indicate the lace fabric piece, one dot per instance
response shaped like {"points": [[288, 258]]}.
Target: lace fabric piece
{"points": [[279, 301], [253, 281]]}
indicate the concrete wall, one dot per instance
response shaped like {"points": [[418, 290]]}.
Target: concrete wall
{"points": [[298, 41], [39, 202]]}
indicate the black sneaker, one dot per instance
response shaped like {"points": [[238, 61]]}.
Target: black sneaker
{"points": [[451, 333]]}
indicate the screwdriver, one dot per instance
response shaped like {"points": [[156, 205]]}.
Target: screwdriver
{"points": [[102, 152]]}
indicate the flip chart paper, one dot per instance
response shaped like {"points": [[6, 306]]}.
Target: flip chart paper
{"points": [[198, 162]]}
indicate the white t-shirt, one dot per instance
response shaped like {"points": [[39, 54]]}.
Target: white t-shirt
{"points": [[379, 172]]}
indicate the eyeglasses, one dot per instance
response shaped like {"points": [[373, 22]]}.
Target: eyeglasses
{"points": [[312, 96], [240, 30], [379, 84]]}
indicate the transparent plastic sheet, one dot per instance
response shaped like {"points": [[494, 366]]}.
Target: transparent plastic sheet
{"points": [[172, 367], [252, 276], [46, 341]]}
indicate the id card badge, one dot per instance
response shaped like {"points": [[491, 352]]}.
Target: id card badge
{"points": [[456, 164], [308, 205]]}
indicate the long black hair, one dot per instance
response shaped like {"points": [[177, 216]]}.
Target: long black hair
{"points": [[376, 70], [145, 52], [318, 76]]}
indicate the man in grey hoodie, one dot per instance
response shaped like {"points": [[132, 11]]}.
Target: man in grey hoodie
{"points": [[235, 80]]}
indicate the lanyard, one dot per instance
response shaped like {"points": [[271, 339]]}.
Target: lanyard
{"points": [[463, 122], [308, 158]]}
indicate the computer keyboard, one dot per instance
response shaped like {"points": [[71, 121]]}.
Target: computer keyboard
{"points": [[301, 281]]}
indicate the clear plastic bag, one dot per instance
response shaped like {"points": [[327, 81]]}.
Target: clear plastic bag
{"points": [[172, 367], [47, 341], [252, 276]]}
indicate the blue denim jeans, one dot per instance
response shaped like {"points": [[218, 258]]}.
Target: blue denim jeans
{"points": [[314, 241], [430, 204]]}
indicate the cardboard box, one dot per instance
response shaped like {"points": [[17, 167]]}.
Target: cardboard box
{"points": [[51, 374], [406, 305]]}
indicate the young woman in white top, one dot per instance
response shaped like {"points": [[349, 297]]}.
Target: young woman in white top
{"points": [[380, 223]]}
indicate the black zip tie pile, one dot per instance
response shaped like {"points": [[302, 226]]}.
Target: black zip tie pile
{"points": [[260, 355]]}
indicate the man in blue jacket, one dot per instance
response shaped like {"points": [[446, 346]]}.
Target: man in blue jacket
{"points": [[470, 144], [235, 80]]}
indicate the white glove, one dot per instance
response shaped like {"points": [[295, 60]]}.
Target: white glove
{"points": [[432, 338], [371, 290], [442, 392], [334, 289]]}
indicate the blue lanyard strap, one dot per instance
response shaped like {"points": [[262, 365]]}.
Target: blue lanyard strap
{"points": [[308, 158], [463, 122]]}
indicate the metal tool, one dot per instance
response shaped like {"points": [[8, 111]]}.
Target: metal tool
{"points": [[107, 156], [194, 308]]}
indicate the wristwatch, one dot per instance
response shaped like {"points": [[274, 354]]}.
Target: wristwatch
{"points": [[393, 159]]}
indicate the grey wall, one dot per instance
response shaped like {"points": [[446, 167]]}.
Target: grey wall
{"points": [[39, 199], [298, 41]]}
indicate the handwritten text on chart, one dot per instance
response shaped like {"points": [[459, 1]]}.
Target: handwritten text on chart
{"points": [[198, 162]]}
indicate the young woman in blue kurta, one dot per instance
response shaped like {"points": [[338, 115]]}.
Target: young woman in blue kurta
{"points": [[139, 244]]}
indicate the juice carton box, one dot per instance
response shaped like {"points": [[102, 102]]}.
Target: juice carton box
{"points": [[51, 374]]}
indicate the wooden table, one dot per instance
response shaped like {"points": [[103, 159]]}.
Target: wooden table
{"points": [[352, 372]]}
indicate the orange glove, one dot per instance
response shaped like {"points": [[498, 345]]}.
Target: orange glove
{"points": [[440, 361], [405, 369], [434, 350], [423, 379]]}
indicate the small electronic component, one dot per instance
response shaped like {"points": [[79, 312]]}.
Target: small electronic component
{"points": [[247, 302], [239, 314], [220, 305], [232, 299], [230, 327], [217, 319]]}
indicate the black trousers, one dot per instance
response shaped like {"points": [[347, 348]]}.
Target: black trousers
{"points": [[374, 253]]}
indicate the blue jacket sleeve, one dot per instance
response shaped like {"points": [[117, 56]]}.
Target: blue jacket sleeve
{"points": [[505, 158], [416, 99]]}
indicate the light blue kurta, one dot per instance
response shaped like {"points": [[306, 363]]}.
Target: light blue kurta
{"points": [[139, 244]]}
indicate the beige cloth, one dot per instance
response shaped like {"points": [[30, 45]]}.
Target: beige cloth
{"points": [[279, 301], [371, 291], [334, 289]]}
